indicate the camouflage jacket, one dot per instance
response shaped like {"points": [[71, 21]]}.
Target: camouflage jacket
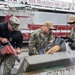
{"points": [[72, 35], [37, 41]]}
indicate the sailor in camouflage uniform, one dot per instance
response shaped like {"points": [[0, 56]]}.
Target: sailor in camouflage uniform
{"points": [[39, 37], [9, 32], [71, 21]]}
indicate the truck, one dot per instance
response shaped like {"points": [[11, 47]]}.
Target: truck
{"points": [[34, 13]]}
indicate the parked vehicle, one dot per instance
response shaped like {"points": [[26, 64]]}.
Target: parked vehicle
{"points": [[33, 14]]}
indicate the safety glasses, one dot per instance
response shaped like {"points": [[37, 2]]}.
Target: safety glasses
{"points": [[71, 23]]}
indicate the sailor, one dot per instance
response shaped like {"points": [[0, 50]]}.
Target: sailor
{"points": [[9, 32], [71, 21], [40, 37]]}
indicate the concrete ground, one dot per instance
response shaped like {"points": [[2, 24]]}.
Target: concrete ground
{"points": [[24, 53], [17, 64], [22, 56]]}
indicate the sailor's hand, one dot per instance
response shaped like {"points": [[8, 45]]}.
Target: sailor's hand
{"points": [[4, 40], [51, 41], [18, 51]]}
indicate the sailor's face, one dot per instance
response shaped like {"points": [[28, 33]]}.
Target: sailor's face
{"points": [[10, 27], [48, 30], [72, 24]]}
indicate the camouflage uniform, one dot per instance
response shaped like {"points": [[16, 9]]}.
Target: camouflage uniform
{"points": [[71, 21], [37, 41], [73, 36], [8, 63]]}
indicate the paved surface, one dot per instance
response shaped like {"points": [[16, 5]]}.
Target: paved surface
{"points": [[21, 56], [17, 65], [24, 53]]}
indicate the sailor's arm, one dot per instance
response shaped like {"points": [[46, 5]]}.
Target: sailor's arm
{"points": [[32, 44], [51, 39], [3, 40]]}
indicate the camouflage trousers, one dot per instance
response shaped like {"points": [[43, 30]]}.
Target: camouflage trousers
{"points": [[9, 62]]}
